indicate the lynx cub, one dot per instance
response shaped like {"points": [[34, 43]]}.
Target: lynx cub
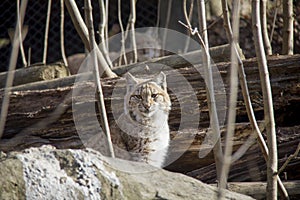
{"points": [[144, 123]]}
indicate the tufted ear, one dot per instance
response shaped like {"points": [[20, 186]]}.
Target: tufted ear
{"points": [[131, 81], [160, 79]]}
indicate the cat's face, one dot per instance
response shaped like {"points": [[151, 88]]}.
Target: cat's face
{"points": [[146, 97]]}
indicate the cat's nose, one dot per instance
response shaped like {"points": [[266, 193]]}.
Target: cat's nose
{"points": [[147, 106]]}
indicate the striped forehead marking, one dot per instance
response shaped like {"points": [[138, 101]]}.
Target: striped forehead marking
{"points": [[147, 89]]}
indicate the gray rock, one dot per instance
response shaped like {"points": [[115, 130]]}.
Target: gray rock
{"points": [[49, 173]]}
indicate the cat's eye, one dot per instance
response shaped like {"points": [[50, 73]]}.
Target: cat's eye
{"points": [[154, 96]]}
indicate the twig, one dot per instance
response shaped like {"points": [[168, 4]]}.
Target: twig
{"points": [[123, 52], [86, 16], [100, 101], [217, 149], [246, 96], [232, 101], [131, 21], [62, 38], [158, 17], [243, 149], [264, 27], [102, 28], [187, 42], [214, 22], [226, 22], [20, 35], [202, 22], [288, 28], [293, 156], [29, 56], [158, 13], [274, 20], [106, 22], [102, 23], [164, 39], [47, 32], [83, 33], [209, 80], [11, 69], [272, 163]]}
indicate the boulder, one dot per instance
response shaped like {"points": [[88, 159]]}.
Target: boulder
{"points": [[49, 173]]}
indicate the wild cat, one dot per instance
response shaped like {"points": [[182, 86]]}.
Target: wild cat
{"points": [[143, 125]]}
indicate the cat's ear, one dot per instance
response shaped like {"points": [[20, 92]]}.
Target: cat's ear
{"points": [[131, 81], [161, 80]]}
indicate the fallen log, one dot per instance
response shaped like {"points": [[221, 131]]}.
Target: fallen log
{"points": [[251, 166], [285, 88], [42, 113], [257, 190], [38, 72], [218, 54]]}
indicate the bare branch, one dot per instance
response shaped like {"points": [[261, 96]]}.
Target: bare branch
{"points": [[248, 104], [226, 20], [164, 39], [232, 101], [209, 80], [187, 42], [274, 19], [12, 66], [47, 32], [288, 28], [132, 19], [102, 28], [243, 149], [217, 150], [29, 56], [19, 28], [100, 101], [214, 122], [123, 52], [264, 27], [106, 22], [272, 162], [158, 12], [293, 156], [62, 38], [83, 33]]}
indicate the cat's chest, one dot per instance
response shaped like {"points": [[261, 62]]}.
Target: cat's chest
{"points": [[143, 139], [146, 141]]}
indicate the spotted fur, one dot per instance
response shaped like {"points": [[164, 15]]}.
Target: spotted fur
{"points": [[144, 123]]}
